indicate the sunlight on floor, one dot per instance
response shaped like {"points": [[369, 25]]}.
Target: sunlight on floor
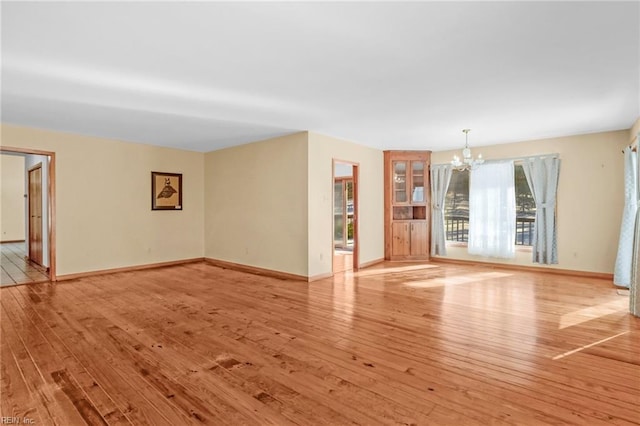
{"points": [[457, 280], [382, 271], [592, 312], [588, 346], [343, 301]]}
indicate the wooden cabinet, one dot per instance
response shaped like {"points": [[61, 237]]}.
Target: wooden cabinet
{"points": [[407, 205]]}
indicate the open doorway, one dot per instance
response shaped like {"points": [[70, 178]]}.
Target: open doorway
{"points": [[345, 216], [27, 237]]}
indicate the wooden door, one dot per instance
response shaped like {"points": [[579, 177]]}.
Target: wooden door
{"points": [[35, 214], [419, 244], [401, 242]]}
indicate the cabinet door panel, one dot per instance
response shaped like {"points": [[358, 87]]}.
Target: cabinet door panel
{"points": [[400, 182], [419, 238], [418, 171], [400, 239]]}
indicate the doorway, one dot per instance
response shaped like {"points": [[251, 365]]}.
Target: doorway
{"points": [[29, 255], [345, 216]]}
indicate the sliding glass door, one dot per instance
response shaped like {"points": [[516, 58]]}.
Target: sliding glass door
{"points": [[343, 213]]}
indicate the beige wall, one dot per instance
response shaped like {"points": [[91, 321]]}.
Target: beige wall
{"points": [[12, 219], [103, 201], [278, 209], [256, 204], [322, 150], [635, 129], [268, 204], [590, 197]]}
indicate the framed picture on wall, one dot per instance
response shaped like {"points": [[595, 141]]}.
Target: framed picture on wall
{"points": [[166, 191]]}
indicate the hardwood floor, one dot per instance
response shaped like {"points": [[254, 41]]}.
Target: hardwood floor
{"points": [[16, 268], [342, 261], [397, 344]]}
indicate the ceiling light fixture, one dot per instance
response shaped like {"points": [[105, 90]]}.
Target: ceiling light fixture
{"points": [[467, 162]]}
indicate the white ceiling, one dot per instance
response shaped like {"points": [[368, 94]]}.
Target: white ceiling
{"points": [[203, 76]]}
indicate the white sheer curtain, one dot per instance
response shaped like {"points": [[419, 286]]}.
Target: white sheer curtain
{"points": [[492, 210], [542, 175], [634, 288], [440, 178], [622, 271]]}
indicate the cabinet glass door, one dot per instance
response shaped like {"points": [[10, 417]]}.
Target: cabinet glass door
{"points": [[400, 181], [417, 182]]}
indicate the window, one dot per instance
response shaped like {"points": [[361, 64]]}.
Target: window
{"points": [[456, 208], [525, 209]]}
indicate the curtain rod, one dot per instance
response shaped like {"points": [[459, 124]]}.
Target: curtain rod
{"points": [[526, 157], [633, 145]]}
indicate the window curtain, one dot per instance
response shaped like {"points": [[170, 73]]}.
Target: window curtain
{"points": [[622, 272], [440, 178], [492, 210], [634, 288], [542, 174]]}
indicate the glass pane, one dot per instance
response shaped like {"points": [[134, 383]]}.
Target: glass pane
{"points": [[338, 230], [338, 201], [456, 207], [400, 181], [349, 185], [338, 197], [525, 209], [417, 181], [350, 210]]}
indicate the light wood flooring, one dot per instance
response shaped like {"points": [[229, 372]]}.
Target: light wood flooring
{"points": [[396, 344], [16, 268], [342, 261]]}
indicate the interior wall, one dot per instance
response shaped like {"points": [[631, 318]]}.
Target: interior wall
{"points": [[31, 160], [268, 204], [103, 201], [256, 204], [635, 129], [12, 190], [322, 151], [590, 197]]}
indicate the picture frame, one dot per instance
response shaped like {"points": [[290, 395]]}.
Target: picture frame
{"points": [[166, 191]]}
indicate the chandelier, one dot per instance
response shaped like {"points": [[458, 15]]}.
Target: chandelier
{"points": [[467, 162]]}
